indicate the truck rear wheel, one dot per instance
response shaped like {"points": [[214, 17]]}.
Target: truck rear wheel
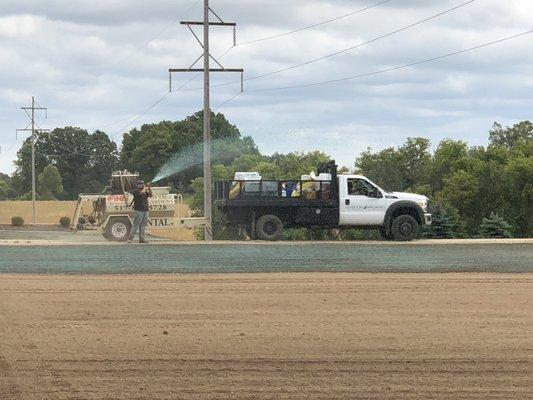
{"points": [[269, 227], [405, 228], [118, 229]]}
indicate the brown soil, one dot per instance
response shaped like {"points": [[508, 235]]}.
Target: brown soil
{"points": [[267, 336]]}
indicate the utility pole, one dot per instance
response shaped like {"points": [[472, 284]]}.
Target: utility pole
{"points": [[33, 131], [207, 108]]}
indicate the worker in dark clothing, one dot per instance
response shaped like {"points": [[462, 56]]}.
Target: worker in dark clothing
{"points": [[141, 193]]}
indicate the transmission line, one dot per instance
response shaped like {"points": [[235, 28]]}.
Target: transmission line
{"points": [[69, 151], [349, 48], [314, 25], [382, 71], [136, 117], [227, 101], [142, 114], [155, 36], [364, 43]]}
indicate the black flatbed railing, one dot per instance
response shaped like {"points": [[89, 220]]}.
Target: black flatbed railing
{"points": [[274, 190]]}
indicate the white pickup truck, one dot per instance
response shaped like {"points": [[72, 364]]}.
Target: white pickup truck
{"points": [[327, 200]]}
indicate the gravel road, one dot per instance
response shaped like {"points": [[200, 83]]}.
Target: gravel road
{"points": [[429, 256]]}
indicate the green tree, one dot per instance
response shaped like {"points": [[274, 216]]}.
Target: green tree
{"points": [[441, 227], [6, 188], [294, 165], [495, 227], [415, 161], [511, 137], [445, 161], [382, 168], [447, 224], [519, 182], [460, 191], [398, 169], [267, 170], [50, 183], [84, 160], [148, 149]]}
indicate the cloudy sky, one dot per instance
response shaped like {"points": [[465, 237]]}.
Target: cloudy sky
{"points": [[100, 64]]}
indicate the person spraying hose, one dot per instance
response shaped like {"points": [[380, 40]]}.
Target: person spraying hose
{"points": [[141, 193]]}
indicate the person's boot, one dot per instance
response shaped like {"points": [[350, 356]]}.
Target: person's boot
{"points": [[143, 241]]}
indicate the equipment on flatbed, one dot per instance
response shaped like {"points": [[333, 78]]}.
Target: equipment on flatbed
{"points": [[327, 200], [112, 211]]}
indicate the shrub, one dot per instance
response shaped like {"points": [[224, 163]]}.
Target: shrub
{"points": [[447, 224], [495, 227], [296, 234], [65, 222], [17, 221], [441, 227], [360, 234]]}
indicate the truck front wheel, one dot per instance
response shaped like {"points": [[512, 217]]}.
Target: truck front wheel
{"points": [[405, 228], [269, 227]]}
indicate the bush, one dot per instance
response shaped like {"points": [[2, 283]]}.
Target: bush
{"points": [[447, 224], [360, 234], [495, 227], [296, 234], [65, 222], [17, 221]]}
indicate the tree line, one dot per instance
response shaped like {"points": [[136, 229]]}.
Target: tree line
{"points": [[474, 190]]}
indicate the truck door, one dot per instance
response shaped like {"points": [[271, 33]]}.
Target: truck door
{"points": [[361, 202]]}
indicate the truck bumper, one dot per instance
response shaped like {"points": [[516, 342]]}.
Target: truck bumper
{"points": [[428, 219]]}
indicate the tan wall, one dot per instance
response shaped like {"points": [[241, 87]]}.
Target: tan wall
{"points": [[48, 212]]}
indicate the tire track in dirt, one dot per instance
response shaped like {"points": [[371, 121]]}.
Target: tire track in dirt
{"points": [[269, 336]]}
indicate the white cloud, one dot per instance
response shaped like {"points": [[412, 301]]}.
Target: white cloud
{"points": [[93, 63], [18, 26]]}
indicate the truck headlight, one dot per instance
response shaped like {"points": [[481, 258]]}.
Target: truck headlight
{"points": [[424, 205]]}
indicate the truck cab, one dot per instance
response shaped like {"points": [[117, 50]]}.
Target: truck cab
{"points": [[362, 202]]}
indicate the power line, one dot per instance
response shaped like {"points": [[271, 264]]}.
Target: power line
{"points": [[314, 25], [193, 4], [155, 36], [69, 151], [240, 44], [142, 114], [364, 43], [382, 71], [136, 117], [227, 101], [349, 48]]}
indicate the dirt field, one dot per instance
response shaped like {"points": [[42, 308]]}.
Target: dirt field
{"points": [[267, 336]]}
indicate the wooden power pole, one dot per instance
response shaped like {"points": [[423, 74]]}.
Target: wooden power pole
{"points": [[207, 107], [31, 128]]}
